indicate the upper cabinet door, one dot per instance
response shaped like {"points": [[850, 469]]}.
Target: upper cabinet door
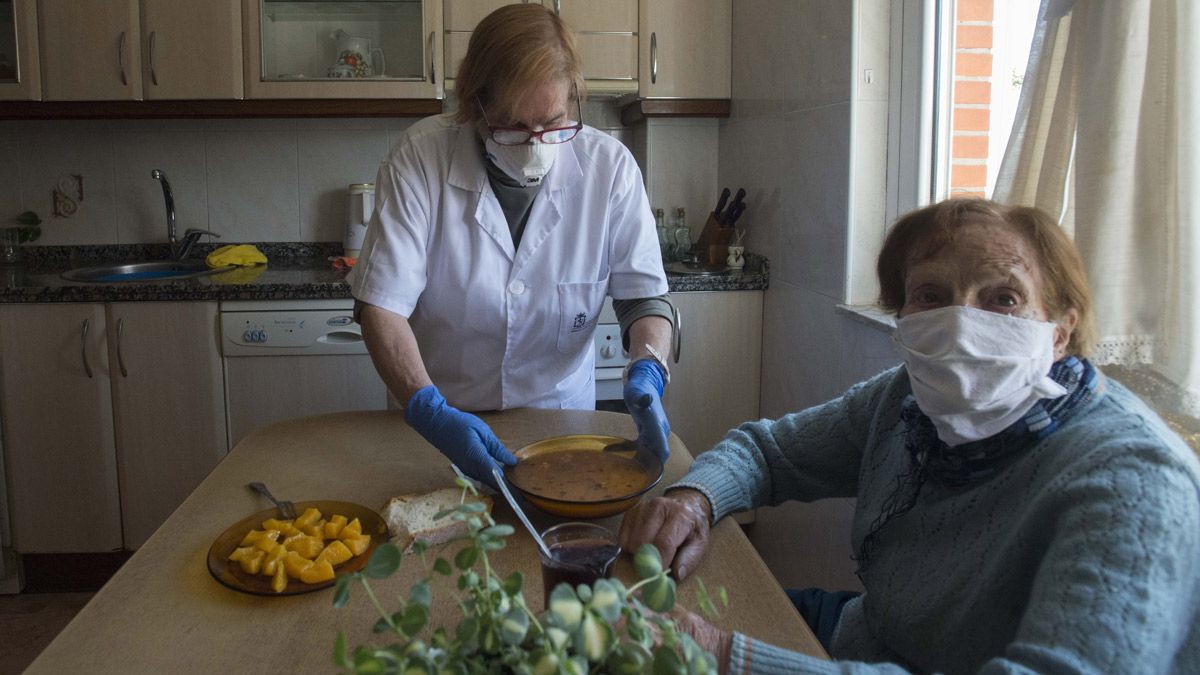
{"points": [[332, 49], [90, 50], [684, 48], [20, 68], [192, 48]]}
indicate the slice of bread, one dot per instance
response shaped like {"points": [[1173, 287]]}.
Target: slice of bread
{"points": [[410, 517]]}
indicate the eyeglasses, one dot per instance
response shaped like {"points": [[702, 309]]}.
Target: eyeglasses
{"points": [[519, 136]]}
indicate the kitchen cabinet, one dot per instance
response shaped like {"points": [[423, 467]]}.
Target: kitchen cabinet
{"points": [[332, 49], [112, 414], [715, 385], [20, 68], [684, 49], [103, 50], [606, 35]]}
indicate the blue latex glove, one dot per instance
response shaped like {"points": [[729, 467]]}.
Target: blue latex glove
{"points": [[467, 440], [643, 397]]}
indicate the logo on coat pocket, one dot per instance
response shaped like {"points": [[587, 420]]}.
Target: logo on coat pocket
{"points": [[581, 322]]}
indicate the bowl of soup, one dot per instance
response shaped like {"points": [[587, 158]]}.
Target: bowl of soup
{"points": [[582, 476]]}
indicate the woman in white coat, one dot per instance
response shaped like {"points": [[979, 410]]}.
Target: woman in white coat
{"points": [[497, 234]]}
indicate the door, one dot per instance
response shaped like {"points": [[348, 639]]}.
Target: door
{"points": [[20, 67], [193, 49], [90, 50], [684, 48], [58, 434], [332, 49], [168, 406]]}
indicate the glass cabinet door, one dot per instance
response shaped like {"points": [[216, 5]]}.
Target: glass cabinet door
{"points": [[20, 76], [343, 48]]}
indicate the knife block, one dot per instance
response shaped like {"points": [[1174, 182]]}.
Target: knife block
{"points": [[714, 241]]}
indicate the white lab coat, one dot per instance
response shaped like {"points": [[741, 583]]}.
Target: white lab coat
{"points": [[499, 327]]}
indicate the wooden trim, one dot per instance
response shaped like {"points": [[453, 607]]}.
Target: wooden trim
{"points": [[674, 107], [38, 110]]}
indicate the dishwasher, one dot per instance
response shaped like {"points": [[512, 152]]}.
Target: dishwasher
{"points": [[290, 358]]}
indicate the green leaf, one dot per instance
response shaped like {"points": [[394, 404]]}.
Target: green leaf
{"points": [[647, 562], [29, 219], [466, 557], [341, 589], [339, 651], [420, 593], [384, 561], [365, 661], [667, 662], [627, 658], [565, 607], [472, 507], [413, 620], [594, 638], [659, 594], [492, 544], [444, 512], [606, 601], [467, 634], [513, 584], [442, 567], [584, 592], [546, 664], [514, 626], [557, 636], [577, 665], [723, 596], [501, 530], [705, 601], [383, 625], [419, 547]]}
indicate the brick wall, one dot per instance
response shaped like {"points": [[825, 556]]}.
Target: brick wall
{"points": [[972, 97]]}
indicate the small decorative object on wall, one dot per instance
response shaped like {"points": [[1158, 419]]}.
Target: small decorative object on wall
{"points": [[67, 195]]}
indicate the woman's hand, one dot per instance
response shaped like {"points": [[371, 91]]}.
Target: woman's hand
{"points": [[677, 525], [710, 638]]}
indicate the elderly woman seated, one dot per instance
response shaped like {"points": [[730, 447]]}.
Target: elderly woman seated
{"points": [[1017, 511]]}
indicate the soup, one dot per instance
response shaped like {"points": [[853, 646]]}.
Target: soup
{"points": [[579, 476]]}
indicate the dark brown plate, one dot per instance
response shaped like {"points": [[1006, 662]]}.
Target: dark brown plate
{"points": [[585, 508], [231, 574]]}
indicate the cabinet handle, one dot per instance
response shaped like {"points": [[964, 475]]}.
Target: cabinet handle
{"points": [[120, 357], [87, 368], [153, 75], [653, 58], [558, 7], [432, 65], [121, 58]]}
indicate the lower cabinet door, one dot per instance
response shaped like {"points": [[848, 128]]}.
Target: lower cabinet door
{"points": [[57, 429], [168, 406]]}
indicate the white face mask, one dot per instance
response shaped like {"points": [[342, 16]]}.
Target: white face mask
{"points": [[527, 163], [975, 372]]}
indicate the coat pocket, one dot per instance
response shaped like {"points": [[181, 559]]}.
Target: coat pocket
{"points": [[579, 305]]}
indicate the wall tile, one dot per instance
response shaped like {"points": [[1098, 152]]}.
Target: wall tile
{"points": [[141, 211], [11, 198], [53, 152], [813, 43], [252, 186], [757, 70], [683, 168], [329, 161]]}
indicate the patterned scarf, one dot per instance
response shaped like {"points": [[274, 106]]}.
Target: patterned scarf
{"points": [[976, 462]]}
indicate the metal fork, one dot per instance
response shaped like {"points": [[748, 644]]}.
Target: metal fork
{"points": [[286, 508]]}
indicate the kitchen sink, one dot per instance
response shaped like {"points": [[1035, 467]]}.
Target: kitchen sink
{"points": [[150, 270]]}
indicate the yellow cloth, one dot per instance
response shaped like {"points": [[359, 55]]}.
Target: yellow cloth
{"points": [[242, 255], [239, 275]]}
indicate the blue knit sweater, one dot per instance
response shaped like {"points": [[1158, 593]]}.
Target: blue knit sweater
{"points": [[1082, 555]]}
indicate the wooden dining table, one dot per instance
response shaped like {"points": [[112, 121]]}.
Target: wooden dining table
{"points": [[164, 612]]}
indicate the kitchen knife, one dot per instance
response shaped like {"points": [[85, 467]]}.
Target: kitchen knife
{"points": [[733, 206], [721, 204], [735, 212]]}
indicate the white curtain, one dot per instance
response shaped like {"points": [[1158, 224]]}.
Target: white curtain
{"points": [[1106, 138]]}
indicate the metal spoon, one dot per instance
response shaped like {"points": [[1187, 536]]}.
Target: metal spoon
{"points": [[537, 538]]}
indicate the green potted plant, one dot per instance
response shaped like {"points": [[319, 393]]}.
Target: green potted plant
{"points": [[603, 628], [27, 229]]}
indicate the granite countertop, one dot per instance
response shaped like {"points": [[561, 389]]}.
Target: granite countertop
{"points": [[297, 271]]}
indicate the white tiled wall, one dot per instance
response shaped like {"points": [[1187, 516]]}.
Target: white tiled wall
{"points": [[789, 143]]}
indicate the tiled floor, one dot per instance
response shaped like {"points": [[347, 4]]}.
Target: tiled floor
{"points": [[29, 621]]}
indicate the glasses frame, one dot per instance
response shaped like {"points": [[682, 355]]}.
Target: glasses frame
{"points": [[530, 134]]}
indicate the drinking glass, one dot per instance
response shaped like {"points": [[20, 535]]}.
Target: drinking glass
{"points": [[582, 553]]}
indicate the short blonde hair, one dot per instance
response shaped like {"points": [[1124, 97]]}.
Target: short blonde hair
{"points": [[923, 232], [514, 50]]}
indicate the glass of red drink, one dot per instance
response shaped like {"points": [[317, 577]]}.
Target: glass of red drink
{"points": [[582, 553]]}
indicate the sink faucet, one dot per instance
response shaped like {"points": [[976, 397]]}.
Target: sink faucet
{"points": [[179, 247]]}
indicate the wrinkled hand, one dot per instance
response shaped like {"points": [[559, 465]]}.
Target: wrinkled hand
{"points": [[676, 524], [643, 396], [708, 637], [464, 438]]}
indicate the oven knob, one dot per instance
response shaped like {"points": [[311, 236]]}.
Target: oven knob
{"points": [[608, 351], [248, 336], [262, 336]]}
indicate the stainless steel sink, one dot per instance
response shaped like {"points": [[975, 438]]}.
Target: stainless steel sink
{"points": [[151, 270]]}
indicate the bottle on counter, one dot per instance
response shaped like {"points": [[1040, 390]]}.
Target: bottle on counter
{"points": [[681, 236], [664, 236]]}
